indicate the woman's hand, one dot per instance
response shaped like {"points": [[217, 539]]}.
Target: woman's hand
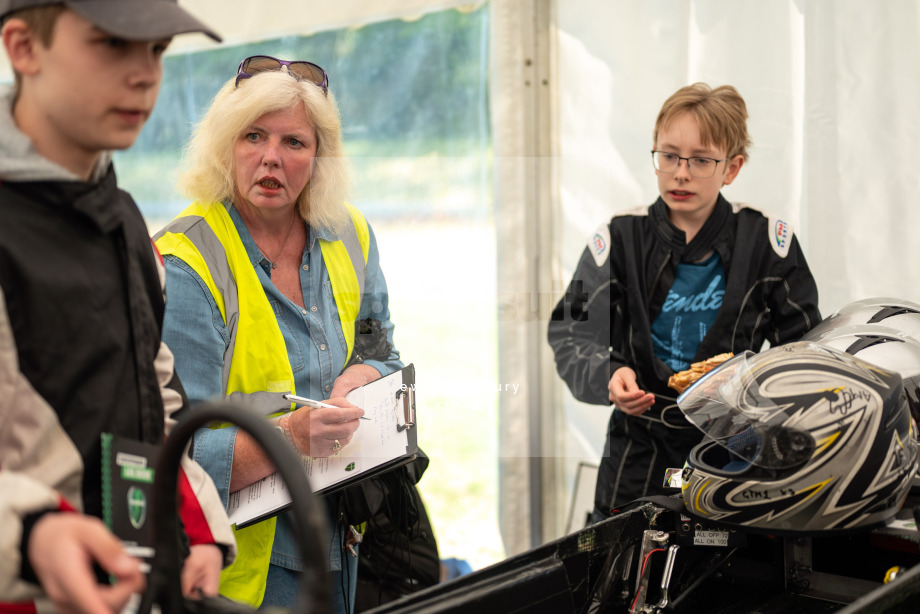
{"points": [[353, 377], [626, 395], [316, 431]]}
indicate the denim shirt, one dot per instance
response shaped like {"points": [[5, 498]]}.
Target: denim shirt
{"points": [[195, 332]]}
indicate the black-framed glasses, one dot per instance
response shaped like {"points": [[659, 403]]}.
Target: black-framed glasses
{"points": [[700, 167], [299, 69]]}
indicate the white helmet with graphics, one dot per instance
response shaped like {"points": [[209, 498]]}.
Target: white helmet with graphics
{"points": [[892, 313], [882, 346], [799, 438]]}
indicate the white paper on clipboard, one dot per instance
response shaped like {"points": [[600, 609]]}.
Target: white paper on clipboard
{"points": [[386, 441]]}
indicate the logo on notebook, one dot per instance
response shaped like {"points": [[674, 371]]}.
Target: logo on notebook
{"points": [[137, 507]]}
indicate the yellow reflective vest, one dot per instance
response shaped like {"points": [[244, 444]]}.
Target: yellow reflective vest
{"points": [[256, 367]]}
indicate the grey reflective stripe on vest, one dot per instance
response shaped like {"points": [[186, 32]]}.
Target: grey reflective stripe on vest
{"points": [[353, 246], [266, 402], [215, 258]]}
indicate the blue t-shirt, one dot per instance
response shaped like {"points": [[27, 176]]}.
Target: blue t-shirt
{"points": [[688, 312]]}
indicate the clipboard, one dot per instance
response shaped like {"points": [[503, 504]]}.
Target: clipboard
{"points": [[387, 441]]}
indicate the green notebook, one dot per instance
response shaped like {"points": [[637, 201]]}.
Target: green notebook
{"points": [[128, 469]]}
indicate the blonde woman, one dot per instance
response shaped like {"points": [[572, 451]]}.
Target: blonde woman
{"points": [[274, 286]]}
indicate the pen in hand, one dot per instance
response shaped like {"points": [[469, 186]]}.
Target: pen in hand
{"points": [[293, 398]]}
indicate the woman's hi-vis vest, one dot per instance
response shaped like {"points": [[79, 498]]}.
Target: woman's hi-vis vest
{"points": [[257, 371]]}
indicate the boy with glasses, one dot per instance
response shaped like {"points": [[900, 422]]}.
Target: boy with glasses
{"points": [[661, 287], [81, 304]]}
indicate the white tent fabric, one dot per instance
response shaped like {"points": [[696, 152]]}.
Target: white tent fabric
{"points": [[831, 87], [521, 95], [243, 20]]}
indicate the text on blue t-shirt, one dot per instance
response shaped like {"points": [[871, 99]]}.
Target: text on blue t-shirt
{"points": [[689, 310]]}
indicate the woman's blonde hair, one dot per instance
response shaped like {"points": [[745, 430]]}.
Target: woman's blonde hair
{"points": [[720, 114], [209, 164]]}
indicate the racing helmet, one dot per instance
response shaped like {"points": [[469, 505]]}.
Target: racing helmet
{"points": [[884, 347], [894, 313], [801, 437]]}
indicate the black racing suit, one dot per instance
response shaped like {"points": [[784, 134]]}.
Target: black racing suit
{"points": [[603, 322]]}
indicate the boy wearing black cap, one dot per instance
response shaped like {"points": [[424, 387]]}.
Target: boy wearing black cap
{"points": [[81, 302]]}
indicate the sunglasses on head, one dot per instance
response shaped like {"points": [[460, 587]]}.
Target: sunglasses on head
{"points": [[300, 70]]}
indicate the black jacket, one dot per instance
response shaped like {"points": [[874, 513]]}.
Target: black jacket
{"points": [[85, 305], [81, 308], [604, 320]]}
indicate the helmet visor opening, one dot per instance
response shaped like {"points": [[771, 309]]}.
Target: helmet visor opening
{"points": [[729, 408]]}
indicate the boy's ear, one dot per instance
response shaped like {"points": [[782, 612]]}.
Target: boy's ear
{"points": [[734, 165], [20, 41]]}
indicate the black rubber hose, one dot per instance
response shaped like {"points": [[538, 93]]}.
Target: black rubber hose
{"points": [[310, 530]]}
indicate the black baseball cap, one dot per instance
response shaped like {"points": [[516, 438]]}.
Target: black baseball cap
{"points": [[136, 20]]}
